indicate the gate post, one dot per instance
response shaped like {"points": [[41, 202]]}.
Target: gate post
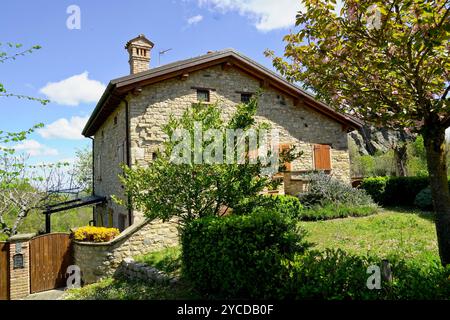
{"points": [[19, 266]]}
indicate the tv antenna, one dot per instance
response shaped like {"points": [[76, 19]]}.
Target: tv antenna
{"points": [[161, 53]]}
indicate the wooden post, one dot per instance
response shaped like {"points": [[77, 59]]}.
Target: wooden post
{"points": [[48, 224]]}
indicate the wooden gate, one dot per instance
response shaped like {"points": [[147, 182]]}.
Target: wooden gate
{"points": [[4, 271], [50, 255]]}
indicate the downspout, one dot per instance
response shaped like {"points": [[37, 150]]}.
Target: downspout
{"points": [[93, 180], [127, 146]]}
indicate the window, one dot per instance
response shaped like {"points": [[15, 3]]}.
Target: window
{"points": [[322, 157], [285, 147], [154, 156], [245, 97], [203, 95]]}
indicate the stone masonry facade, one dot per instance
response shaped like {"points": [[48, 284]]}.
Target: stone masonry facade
{"points": [[149, 110]]}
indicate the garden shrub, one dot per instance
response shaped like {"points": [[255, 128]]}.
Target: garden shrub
{"points": [[239, 256], [286, 205], [375, 187], [95, 234], [324, 189], [424, 200], [399, 191], [333, 211]]}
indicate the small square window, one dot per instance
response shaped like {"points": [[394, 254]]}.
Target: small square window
{"points": [[203, 95], [245, 97]]}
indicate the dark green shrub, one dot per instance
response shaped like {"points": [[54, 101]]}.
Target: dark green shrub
{"points": [[286, 205], [392, 191], [375, 187], [333, 211], [239, 256], [424, 200], [323, 189]]}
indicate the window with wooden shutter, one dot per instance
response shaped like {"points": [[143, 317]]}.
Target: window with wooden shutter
{"points": [[284, 147], [322, 157]]}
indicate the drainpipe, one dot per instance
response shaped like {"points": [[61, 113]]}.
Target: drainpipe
{"points": [[127, 145], [93, 180]]}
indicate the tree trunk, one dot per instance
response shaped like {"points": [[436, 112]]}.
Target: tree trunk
{"points": [[401, 156], [434, 140]]}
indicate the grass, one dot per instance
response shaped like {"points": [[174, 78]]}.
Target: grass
{"points": [[168, 260], [332, 211], [407, 233], [121, 289]]}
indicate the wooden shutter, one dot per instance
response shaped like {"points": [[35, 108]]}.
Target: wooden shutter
{"points": [[322, 157], [285, 147]]}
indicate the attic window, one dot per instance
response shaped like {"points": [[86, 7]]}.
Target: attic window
{"points": [[245, 97], [203, 95]]}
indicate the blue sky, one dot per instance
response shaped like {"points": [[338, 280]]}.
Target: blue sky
{"points": [[74, 65]]}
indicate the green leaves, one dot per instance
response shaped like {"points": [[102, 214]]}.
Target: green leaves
{"points": [[356, 67]]}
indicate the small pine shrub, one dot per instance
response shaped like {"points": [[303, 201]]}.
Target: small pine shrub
{"points": [[424, 200]]}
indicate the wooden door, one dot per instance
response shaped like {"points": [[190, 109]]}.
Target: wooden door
{"points": [[4, 271], [50, 255]]}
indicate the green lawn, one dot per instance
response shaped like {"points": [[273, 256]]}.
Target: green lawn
{"points": [[408, 233], [403, 232]]}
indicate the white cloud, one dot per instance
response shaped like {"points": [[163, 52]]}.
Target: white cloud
{"points": [[74, 90], [34, 148], [64, 128], [195, 19], [266, 14]]}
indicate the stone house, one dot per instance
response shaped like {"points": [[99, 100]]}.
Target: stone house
{"points": [[126, 124]]}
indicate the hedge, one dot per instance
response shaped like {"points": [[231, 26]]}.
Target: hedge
{"points": [[394, 190], [239, 256]]}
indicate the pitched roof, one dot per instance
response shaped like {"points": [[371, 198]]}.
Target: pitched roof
{"points": [[118, 88]]}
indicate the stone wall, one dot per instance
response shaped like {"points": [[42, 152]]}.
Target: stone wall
{"points": [[140, 271], [109, 152], [99, 260]]}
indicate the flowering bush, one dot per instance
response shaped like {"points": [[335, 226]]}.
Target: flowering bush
{"points": [[95, 234]]}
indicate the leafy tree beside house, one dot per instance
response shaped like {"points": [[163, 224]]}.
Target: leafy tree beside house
{"points": [[191, 190], [388, 63]]}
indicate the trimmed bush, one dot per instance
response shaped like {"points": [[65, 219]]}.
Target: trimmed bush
{"points": [[334, 211], [239, 256], [95, 234], [394, 191], [286, 205], [375, 187]]}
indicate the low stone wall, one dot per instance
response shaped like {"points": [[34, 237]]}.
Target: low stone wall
{"points": [[99, 260], [140, 271]]}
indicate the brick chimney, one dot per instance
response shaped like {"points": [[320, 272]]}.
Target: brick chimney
{"points": [[139, 53]]}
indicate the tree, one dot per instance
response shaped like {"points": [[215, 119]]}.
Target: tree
{"points": [[83, 169], [25, 188], [386, 62], [189, 189]]}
